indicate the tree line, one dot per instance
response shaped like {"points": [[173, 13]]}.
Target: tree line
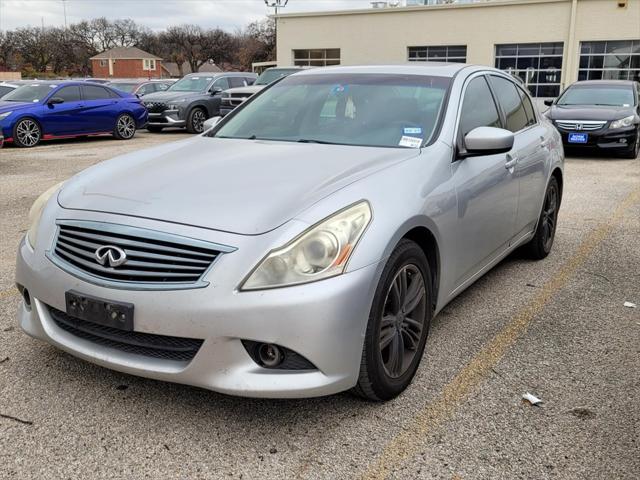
{"points": [[58, 51]]}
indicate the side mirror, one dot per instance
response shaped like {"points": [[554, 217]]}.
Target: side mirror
{"points": [[548, 102], [211, 122], [488, 141], [55, 101], [215, 90]]}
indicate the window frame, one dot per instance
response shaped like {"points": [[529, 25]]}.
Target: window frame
{"points": [[460, 148], [80, 93], [446, 58], [306, 61], [83, 89], [147, 64]]}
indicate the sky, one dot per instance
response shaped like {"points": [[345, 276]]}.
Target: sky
{"points": [[155, 14]]}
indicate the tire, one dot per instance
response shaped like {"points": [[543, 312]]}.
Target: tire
{"points": [[396, 324], [632, 153], [154, 128], [125, 127], [27, 133], [540, 245], [195, 120]]}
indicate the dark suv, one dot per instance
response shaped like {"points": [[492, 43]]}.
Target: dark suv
{"points": [[191, 100]]}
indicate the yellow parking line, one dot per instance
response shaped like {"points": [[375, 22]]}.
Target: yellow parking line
{"points": [[406, 443], [8, 293]]}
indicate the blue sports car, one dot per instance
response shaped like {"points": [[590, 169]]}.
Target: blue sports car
{"points": [[46, 110]]}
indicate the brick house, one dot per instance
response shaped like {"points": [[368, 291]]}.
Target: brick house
{"points": [[126, 62]]}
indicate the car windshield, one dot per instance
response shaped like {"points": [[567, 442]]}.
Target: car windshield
{"points": [[610, 95], [29, 93], [191, 84], [381, 110], [124, 87], [269, 76]]}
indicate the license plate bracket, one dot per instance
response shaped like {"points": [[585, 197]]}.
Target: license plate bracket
{"points": [[100, 311], [578, 138]]}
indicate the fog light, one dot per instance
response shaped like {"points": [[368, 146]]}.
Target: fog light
{"points": [[270, 355], [26, 298]]}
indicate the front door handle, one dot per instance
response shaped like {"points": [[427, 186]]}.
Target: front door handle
{"points": [[511, 161]]}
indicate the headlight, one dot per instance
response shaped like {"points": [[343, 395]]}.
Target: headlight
{"points": [[173, 107], [35, 213], [623, 122], [320, 252], [5, 115]]}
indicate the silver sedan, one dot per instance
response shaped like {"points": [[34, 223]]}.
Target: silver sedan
{"points": [[302, 245]]}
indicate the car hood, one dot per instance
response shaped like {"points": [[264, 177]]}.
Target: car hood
{"points": [[12, 106], [246, 187], [250, 90], [171, 96], [589, 112]]}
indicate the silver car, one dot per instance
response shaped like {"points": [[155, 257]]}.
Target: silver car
{"points": [[302, 246]]}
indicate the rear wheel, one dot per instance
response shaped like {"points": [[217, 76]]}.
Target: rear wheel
{"points": [[27, 133], [196, 119], [125, 127], [540, 245], [398, 325]]}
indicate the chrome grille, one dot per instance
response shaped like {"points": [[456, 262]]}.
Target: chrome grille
{"points": [[152, 258], [156, 107], [580, 125]]}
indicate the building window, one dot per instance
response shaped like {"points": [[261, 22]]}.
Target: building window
{"points": [[104, 63], [610, 60], [316, 57], [448, 53], [538, 65], [148, 64]]}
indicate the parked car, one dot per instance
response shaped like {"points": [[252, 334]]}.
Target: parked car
{"points": [[301, 246], [46, 110], [191, 100], [235, 96], [599, 114], [141, 87]]}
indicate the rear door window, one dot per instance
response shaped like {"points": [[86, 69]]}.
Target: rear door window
{"points": [[511, 102], [92, 92]]}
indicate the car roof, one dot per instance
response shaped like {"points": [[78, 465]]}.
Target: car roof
{"points": [[440, 69], [608, 83]]}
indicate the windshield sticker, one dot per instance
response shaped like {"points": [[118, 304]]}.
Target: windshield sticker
{"points": [[339, 89], [412, 131], [350, 109], [411, 142]]}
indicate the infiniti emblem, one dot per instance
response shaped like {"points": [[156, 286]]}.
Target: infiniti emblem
{"points": [[110, 256]]}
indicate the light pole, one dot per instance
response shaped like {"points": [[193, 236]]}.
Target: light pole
{"points": [[64, 6], [276, 4]]}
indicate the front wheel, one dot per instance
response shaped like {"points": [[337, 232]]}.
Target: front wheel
{"points": [[540, 245], [634, 150], [27, 133], [125, 127], [195, 121], [398, 325]]}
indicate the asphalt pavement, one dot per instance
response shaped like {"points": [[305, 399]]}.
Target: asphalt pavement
{"points": [[557, 329]]}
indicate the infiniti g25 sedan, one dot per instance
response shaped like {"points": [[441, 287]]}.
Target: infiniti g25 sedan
{"points": [[302, 245]]}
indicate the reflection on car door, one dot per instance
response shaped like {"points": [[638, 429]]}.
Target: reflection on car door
{"points": [[100, 111], [529, 148], [487, 191], [62, 119]]}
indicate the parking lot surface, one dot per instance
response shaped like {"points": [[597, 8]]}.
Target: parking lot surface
{"points": [[557, 329]]}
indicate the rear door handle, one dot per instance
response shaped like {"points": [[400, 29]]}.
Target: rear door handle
{"points": [[511, 161]]}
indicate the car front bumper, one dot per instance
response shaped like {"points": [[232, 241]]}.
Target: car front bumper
{"points": [[168, 118], [604, 139], [325, 322]]}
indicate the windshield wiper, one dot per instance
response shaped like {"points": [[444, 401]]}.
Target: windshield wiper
{"points": [[312, 140]]}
